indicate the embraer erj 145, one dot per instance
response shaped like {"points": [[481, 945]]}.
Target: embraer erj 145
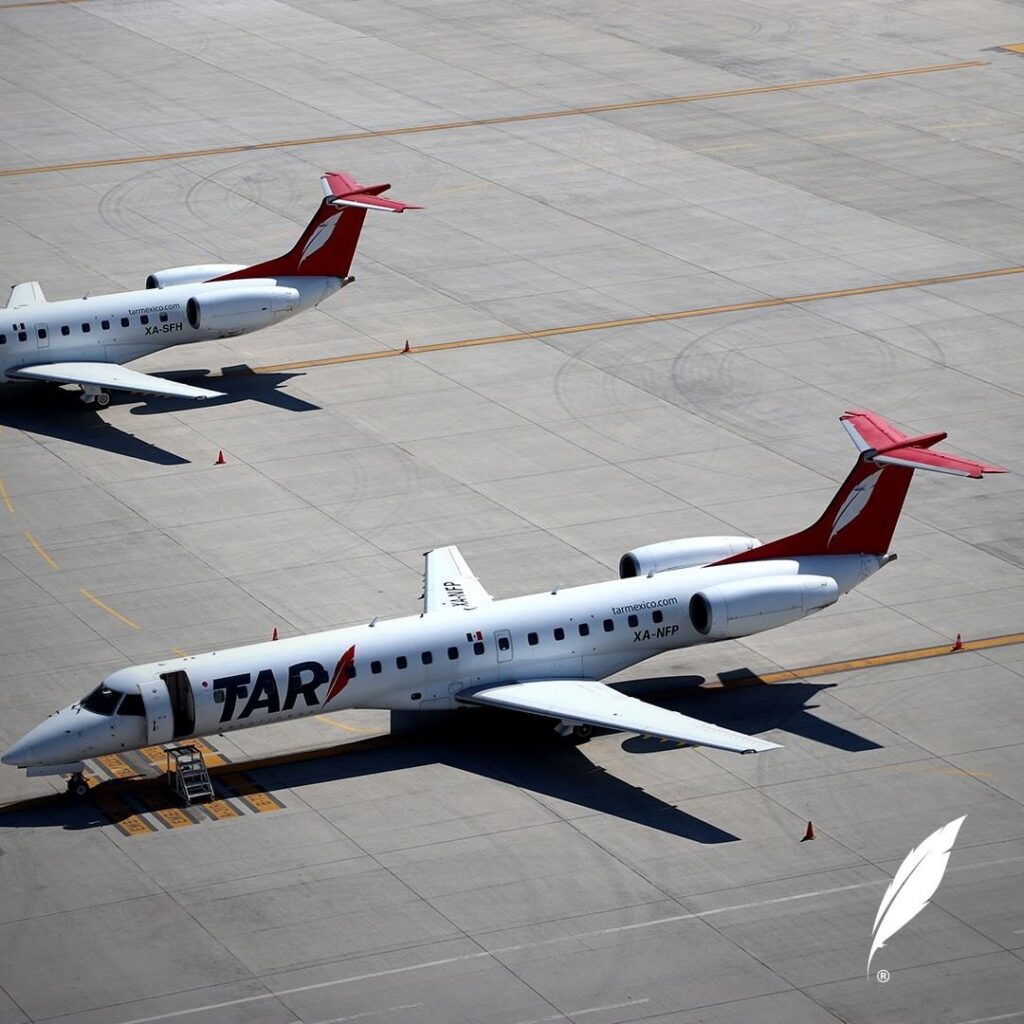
{"points": [[85, 341], [544, 653]]}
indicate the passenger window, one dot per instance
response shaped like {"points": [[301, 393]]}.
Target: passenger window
{"points": [[42, 333], [427, 657], [132, 705], [124, 321], [22, 336], [415, 696], [105, 324], [657, 616], [376, 667], [3, 339], [401, 661], [559, 633], [163, 318], [478, 648], [609, 625], [243, 691], [532, 639], [65, 330], [453, 653], [143, 319], [504, 643], [218, 696], [86, 328], [633, 621], [584, 629]]}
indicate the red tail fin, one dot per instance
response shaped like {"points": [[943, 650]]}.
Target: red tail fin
{"points": [[326, 247], [862, 516]]}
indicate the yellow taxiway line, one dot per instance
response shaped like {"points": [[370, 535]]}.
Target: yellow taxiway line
{"points": [[8, 504], [650, 318], [90, 596], [484, 122], [41, 551]]}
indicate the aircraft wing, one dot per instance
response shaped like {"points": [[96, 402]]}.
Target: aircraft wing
{"points": [[110, 375], [28, 294], [584, 701], [449, 583]]}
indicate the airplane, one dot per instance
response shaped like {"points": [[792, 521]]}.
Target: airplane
{"points": [[85, 341], [544, 653]]}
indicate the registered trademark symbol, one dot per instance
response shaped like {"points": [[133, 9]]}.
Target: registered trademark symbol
{"points": [[883, 975]]}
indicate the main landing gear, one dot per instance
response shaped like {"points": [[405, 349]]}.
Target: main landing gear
{"points": [[578, 733], [93, 395], [77, 786]]}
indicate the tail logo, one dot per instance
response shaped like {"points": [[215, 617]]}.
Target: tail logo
{"points": [[855, 503], [342, 674], [320, 237]]}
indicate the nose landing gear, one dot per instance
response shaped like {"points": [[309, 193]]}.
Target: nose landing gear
{"points": [[77, 786]]}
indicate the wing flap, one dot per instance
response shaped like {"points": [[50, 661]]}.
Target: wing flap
{"points": [[110, 375], [587, 702], [449, 583]]}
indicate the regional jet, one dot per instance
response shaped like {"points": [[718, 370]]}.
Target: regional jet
{"points": [[545, 654], [85, 341]]}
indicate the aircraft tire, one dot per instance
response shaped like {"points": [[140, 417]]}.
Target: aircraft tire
{"points": [[582, 733], [77, 786], [102, 400]]}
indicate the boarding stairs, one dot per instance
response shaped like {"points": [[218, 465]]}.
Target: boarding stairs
{"points": [[187, 774]]}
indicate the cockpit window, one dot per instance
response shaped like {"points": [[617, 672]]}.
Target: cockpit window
{"points": [[132, 705], [102, 700]]}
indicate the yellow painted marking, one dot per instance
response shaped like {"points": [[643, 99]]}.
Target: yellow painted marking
{"points": [[722, 149], [847, 135], [251, 794], [652, 318], [918, 654], [218, 809], [210, 756], [8, 504], [41, 551], [124, 818], [179, 652], [345, 726], [117, 767], [172, 817], [155, 755], [483, 122], [1015, 47], [89, 596]]}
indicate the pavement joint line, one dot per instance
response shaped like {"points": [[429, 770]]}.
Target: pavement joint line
{"points": [[90, 596], [499, 951], [42, 552], [647, 318], [39, 3], [8, 504], [483, 122], [387, 740]]}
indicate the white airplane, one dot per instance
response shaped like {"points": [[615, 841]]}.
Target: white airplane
{"points": [[544, 653], [85, 341]]}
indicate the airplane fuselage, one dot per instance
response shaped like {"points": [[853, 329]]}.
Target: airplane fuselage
{"points": [[430, 661], [124, 326]]}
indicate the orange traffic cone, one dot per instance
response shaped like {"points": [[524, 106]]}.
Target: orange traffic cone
{"points": [[958, 644], [220, 458], [809, 834], [406, 350], [274, 637]]}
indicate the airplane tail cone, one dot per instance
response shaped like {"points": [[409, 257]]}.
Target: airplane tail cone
{"points": [[958, 644], [809, 834], [220, 458]]}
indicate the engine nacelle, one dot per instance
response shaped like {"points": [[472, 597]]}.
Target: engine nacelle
{"points": [[731, 610], [239, 309], [191, 275], [681, 554]]}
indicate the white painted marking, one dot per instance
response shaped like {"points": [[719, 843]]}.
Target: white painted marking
{"points": [[579, 1013], [370, 1013], [463, 957], [998, 1016]]}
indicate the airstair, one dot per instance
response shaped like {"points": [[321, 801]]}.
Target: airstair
{"points": [[187, 774]]}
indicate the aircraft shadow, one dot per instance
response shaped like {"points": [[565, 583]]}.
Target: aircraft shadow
{"points": [[57, 413]]}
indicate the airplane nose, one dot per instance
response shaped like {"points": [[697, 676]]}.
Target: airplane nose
{"points": [[19, 754]]}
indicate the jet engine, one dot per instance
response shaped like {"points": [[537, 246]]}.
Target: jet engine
{"points": [[681, 554], [232, 310], [191, 275], [730, 610]]}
